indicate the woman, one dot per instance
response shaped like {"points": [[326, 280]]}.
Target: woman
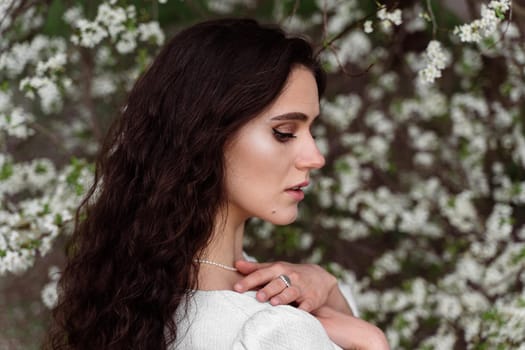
{"points": [[215, 132]]}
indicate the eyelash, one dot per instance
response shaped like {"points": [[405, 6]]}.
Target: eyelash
{"points": [[283, 136]]}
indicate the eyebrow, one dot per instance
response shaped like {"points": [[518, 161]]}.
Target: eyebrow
{"points": [[292, 116]]}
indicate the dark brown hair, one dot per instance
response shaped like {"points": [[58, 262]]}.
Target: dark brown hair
{"points": [[159, 182]]}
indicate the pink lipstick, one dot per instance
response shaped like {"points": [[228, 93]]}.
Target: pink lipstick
{"points": [[296, 191]]}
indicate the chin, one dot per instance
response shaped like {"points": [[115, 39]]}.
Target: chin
{"points": [[283, 218]]}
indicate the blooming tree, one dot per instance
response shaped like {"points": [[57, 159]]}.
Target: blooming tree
{"points": [[421, 206]]}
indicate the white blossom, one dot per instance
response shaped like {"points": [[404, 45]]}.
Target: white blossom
{"points": [[367, 27], [16, 123], [47, 91], [460, 211], [432, 171], [72, 15], [345, 12], [436, 60], [91, 33], [49, 294], [227, 6], [499, 225], [127, 43], [151, 31], [103, 86], [487, 25], [342, 111], [112, 18], [389, 18], [354, 48]]}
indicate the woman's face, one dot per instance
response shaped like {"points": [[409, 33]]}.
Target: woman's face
{"points": [[270, 158]]}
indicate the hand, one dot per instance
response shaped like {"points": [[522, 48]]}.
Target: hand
{"points": [[311, 287], [349, 332]]}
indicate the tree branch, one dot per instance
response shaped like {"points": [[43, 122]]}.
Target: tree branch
{"points": [[87, 98], [433, 17]]}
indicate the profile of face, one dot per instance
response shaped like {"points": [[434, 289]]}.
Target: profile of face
{"points": [[270, 158]]}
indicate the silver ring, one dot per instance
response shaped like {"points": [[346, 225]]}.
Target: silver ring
{"points": [[286, 280]]}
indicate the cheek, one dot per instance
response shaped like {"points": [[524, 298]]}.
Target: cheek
{"points": [[257, 158], [256, 169]]}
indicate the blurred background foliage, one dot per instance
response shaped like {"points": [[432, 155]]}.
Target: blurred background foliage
{"points": [[420, 208]]}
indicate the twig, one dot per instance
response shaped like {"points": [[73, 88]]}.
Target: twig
{"points": [[15, 12], [295, 8], [7, 11], [87, 97], [509, 20], [345, 72], [155, 10], [344, 31], [292, 14], [433, 17]]}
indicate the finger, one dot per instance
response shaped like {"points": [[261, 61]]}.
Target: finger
{"points": [[306, 305], [256, 278], [247, 267], [273, 288], [287, 296]]}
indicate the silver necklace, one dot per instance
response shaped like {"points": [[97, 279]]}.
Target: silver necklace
{"points": [[222, 266]]}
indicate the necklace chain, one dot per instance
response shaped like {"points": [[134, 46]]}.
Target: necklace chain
{"points": [[222, 266]]}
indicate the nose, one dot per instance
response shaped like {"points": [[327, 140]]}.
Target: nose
{"points": [[309, 156]]}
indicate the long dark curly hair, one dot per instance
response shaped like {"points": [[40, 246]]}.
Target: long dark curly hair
{"points": [[159, 183]]}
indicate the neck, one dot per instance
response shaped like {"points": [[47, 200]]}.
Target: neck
{"points": [[226, 242], [225, 248]]}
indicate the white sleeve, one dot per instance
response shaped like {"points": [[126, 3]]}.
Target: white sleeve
{"points": [[283, 328], [346, 290]]}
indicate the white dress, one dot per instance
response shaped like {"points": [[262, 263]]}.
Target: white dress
{"points": [[226, 320]]}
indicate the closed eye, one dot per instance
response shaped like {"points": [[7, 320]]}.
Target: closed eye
{"points": [[283, 136]]}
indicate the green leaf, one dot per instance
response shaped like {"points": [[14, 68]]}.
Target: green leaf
{"points": [[79, 189], [516, 189], [4, 86], [58, 220], [521, 302], [31, 244], [491, 315], [342, 166], [74, 174], [287, 239], [40, 168], [142, 59], [6, 171], [519, 257], [45, 210]]}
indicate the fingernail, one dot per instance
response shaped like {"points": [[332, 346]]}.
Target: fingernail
{"points": [[237, 287], [275, 301]]}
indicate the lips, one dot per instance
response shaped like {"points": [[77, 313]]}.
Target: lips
{"points": [[296, 191]]}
